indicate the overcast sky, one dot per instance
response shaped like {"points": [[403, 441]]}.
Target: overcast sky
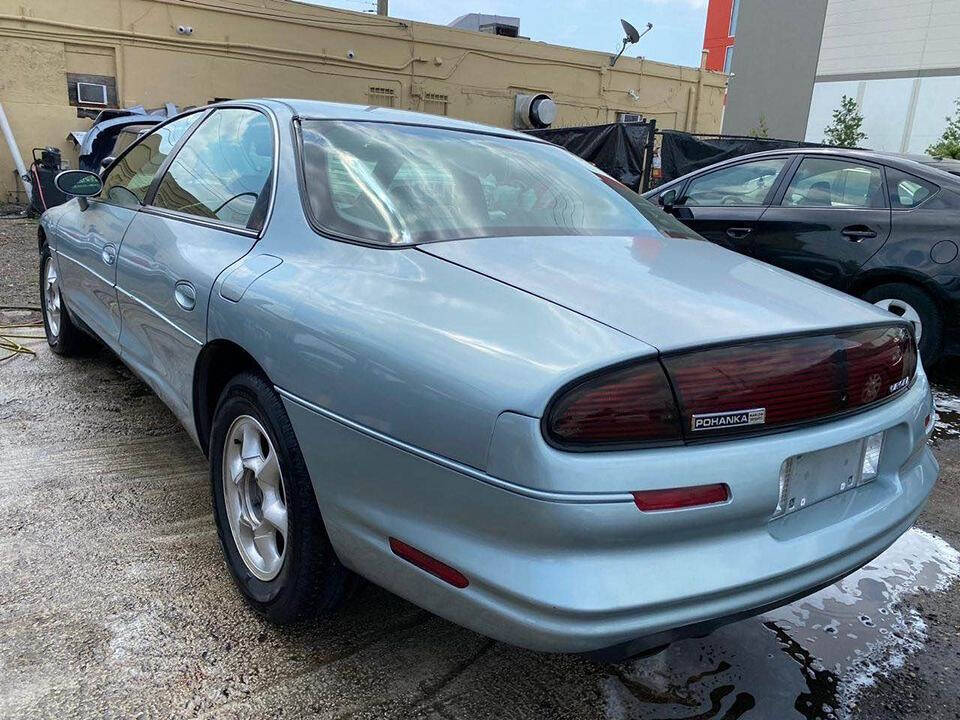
{"points": [[677, 34]]}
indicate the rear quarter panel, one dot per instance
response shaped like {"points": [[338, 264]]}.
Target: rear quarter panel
{"points": [[407, 344]]}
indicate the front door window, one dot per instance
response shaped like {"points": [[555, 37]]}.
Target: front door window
{"points": [[130, 177]]}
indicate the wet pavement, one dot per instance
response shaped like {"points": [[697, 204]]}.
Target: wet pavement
{"points": [[810, 659], [114, 601]]}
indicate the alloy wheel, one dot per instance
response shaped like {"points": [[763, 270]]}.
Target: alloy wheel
{"points": [[904, 310], [51, 297], [254, 497]]}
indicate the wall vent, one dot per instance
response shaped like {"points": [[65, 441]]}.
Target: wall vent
{"points": [[435, 103], [382, 96]]}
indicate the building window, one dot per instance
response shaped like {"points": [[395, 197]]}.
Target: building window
{"points": [[728, 59], [733, 17], [435, 103], [382, 96]]}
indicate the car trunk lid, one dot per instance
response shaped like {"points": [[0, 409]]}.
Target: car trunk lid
{"points": [[671, 293]]}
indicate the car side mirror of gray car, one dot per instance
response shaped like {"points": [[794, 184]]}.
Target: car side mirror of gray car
{"points": [[80, 184]]}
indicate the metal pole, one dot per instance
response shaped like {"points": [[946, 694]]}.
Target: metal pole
{"points": [[15, 152], [382, 7], [648, 156]]}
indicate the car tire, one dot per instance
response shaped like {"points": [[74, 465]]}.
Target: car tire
{"points": [[909, 301], [299, 576], [63, 336]]}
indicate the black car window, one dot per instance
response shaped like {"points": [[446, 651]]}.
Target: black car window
{"points": [[744, 184], [130, 178], [835, 182], [222, 169], [907, 191]]}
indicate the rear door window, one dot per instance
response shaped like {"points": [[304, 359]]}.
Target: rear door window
{"points": [[908, 191], [748, 183], [222, 171], [835, 182]]}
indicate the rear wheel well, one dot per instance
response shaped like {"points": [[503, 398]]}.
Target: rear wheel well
{"points": [[219, 361], [41, 239], [883, 278]]}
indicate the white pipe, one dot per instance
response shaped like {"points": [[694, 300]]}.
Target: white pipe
{"points": [[15, 152]]}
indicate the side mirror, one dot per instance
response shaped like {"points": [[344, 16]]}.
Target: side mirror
{"points": [[667, 199], [79, 183]]}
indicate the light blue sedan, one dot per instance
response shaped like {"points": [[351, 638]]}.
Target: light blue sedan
{"points": [[466, 365]]}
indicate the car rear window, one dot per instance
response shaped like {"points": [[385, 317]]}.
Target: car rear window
{"points": [[395, 184], [907, 191]]}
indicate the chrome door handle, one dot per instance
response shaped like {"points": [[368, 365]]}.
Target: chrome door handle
{"points": [[109, 255], [185, 295], [738, 233]]}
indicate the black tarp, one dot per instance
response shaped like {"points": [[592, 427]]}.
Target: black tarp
{"points": [[618, 148], [681, 153]]}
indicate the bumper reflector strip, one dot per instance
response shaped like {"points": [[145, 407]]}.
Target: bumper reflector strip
{"points": [[682, 497], [429, 564]]}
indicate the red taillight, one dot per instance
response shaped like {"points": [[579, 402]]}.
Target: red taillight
{"points": [[630, 406], [773, 383], [733, 390], [681, 497], [428, 563]]}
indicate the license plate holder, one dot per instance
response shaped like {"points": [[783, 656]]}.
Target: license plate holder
{"points": [[810, 477]]}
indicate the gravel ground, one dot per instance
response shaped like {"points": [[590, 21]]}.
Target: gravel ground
{"points": [[114, 600]]}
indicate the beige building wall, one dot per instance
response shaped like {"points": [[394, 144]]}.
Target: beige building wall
{"points": [[278, 48]]}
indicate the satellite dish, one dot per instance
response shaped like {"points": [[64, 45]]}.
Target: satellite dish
{"points": [[632, 36]]}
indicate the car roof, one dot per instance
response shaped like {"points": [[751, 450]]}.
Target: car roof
{"points": [[323, 110]]}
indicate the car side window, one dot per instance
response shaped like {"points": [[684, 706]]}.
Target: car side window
{"points": [[130, 178], [744, 184], [222, 170], [835, 182], [907, 191]]}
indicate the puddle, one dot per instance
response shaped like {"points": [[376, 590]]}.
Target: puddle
{"points": [[948, 414], [809, 659], [946, 394]]}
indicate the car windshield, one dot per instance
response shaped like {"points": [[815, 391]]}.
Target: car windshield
{"points": [[405, 184]]}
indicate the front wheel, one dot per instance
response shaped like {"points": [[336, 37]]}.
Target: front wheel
{"points": [[267, 517], [63, 336], [916, 306]]}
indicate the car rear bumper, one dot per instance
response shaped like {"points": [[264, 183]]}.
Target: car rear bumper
{"points": [[556, 570]]}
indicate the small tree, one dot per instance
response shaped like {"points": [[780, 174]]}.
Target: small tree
{"points": [[949, 143], [845, 130], [761, 130]]}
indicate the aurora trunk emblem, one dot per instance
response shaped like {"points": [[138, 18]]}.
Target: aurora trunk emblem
{"points": [[732, 418]]}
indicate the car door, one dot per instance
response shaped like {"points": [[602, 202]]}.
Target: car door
{"points": [[91, 231], [205, 212], [724, 205], [827, 221]]}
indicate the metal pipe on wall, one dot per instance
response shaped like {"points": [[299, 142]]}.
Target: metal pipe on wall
{"points": [[15, 152]]}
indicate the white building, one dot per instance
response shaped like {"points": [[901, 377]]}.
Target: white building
{"points": [[900, 59]]}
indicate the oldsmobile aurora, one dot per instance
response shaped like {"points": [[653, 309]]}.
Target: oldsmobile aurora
{"points": [[465, 365]]}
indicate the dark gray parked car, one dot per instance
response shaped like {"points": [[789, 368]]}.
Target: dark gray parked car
{"points": [[880, 227]]}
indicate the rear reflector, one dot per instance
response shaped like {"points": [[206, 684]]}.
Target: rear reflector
{"points": [[428, 563], [682, 497]]}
